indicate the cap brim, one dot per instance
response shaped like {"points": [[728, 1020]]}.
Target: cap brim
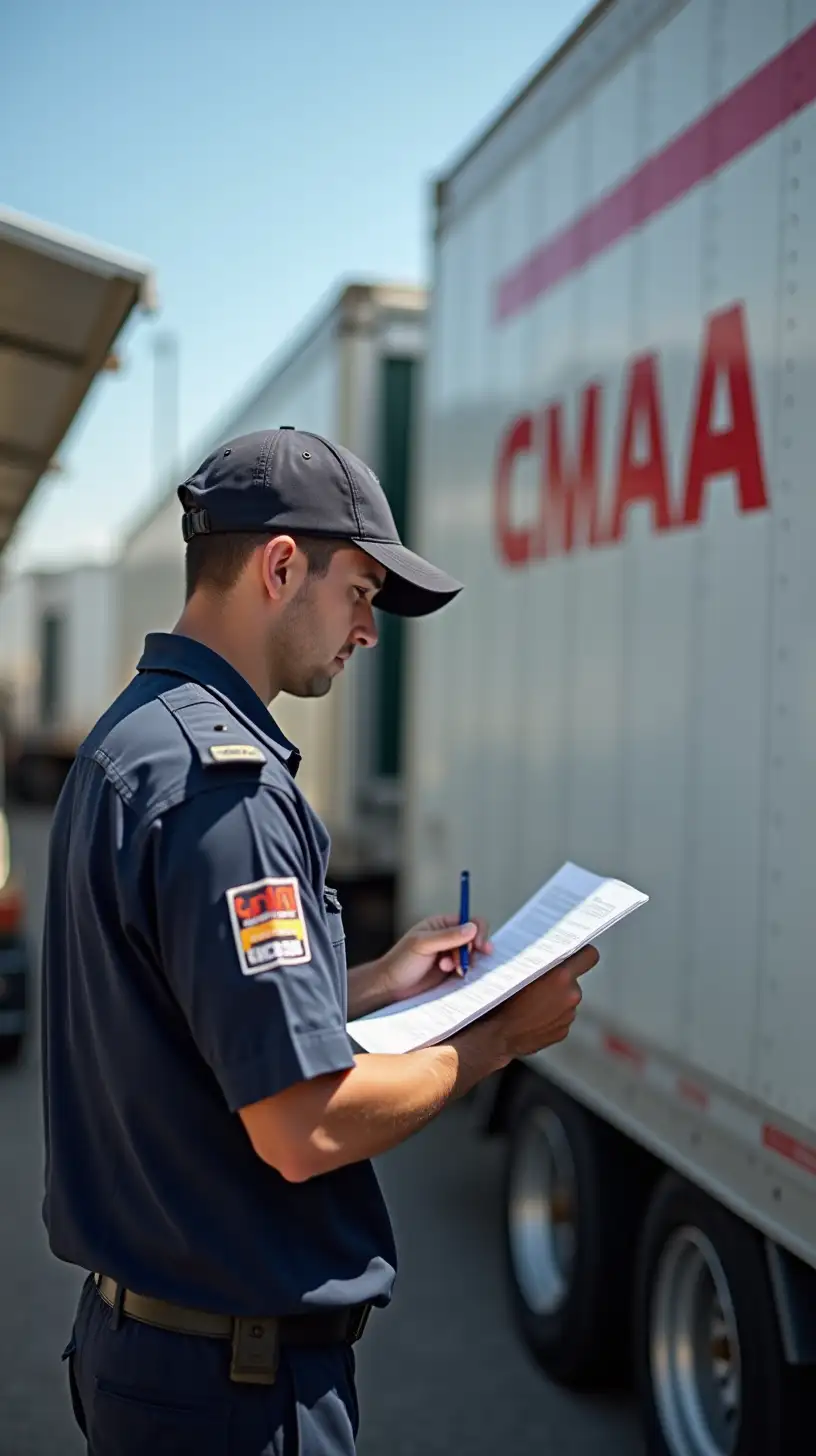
{"points": [[413, 587]]}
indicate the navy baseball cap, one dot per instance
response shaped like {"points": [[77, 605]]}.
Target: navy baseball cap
{"points": [[292, 481]]}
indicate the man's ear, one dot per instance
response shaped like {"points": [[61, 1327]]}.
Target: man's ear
{"points": [[281, 567]]}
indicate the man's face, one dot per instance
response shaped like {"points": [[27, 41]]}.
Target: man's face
{"points": [[328, 618]]}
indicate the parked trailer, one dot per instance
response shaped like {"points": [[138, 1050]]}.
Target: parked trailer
{"points": [[618, 456], [58, 639], [353, 376]]}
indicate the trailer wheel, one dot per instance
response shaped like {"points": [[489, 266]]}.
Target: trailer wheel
{"points": [[711, 1370], [573, 1193]]}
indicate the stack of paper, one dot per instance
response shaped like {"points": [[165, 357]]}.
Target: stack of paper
{"points": [[569, 912]]}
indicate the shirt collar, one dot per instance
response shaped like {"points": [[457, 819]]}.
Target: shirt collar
{"points": [[171, 652]]}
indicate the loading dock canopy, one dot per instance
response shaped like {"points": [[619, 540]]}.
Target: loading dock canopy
{"points": [[62, 304]]}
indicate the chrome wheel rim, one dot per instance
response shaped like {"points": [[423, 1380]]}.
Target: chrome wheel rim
{"points": [[541, 1212], [694, 1349]]}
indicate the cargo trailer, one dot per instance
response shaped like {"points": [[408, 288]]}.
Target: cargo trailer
{"points": [[58, 640], [617, 457]]}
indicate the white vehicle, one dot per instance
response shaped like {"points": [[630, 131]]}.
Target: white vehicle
{"points": [[58, 643], [618, 456], [352, 375]]}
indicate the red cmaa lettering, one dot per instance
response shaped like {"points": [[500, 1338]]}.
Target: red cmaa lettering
{"points": [[515, 543], [570, 491], [645, 479], [734, 451], [570, 488]]}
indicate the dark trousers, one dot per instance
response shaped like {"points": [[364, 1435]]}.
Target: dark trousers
{"points": [[141, 1391]]}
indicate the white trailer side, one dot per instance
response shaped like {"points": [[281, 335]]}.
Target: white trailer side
{"points": [[58, 637], [618, 445]]}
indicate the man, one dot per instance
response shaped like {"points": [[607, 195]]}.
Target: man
{"points": [[209, 1128]]}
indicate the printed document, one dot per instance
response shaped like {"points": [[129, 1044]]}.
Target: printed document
{"points": [[570, 911]]}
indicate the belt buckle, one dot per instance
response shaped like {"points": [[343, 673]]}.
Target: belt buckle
{"points": [[358, 1322], [255, 1351]]}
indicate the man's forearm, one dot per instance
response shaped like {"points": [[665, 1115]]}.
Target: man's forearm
{"points": [[383, 1100], [368, 989]]}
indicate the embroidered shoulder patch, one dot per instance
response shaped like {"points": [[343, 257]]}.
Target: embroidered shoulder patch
{"points": [[237, 753], [268, 925]]}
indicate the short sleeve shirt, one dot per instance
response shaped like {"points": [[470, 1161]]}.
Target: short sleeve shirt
{"points": [[193, 964]]}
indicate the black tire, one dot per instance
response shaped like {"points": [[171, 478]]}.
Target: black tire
{"points": [[11, 1049], [581, 1334], [774, 1407]]}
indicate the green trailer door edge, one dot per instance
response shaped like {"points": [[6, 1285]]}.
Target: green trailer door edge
{"points": [[398, 377]]}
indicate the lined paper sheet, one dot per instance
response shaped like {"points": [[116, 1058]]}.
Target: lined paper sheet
{"points": [[570, 911]]}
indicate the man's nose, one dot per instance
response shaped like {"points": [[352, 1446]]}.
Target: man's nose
{"points": [[365, 630]]}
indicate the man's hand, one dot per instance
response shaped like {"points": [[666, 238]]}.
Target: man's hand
{"points": [[428, 953], [542, 1014]]}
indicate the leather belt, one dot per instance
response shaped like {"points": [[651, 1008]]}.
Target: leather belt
{"points": [[255, 1341]]}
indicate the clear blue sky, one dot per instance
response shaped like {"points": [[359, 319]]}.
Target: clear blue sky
{"points": [[254, 153]]}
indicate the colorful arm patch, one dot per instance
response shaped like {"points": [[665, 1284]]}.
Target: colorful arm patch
{"points": [[268, 925]]}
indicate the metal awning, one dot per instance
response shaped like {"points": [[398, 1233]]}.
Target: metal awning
{"points": [[63, 302]]}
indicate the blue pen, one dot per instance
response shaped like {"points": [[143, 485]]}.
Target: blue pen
{"points": [[464, 917]]}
